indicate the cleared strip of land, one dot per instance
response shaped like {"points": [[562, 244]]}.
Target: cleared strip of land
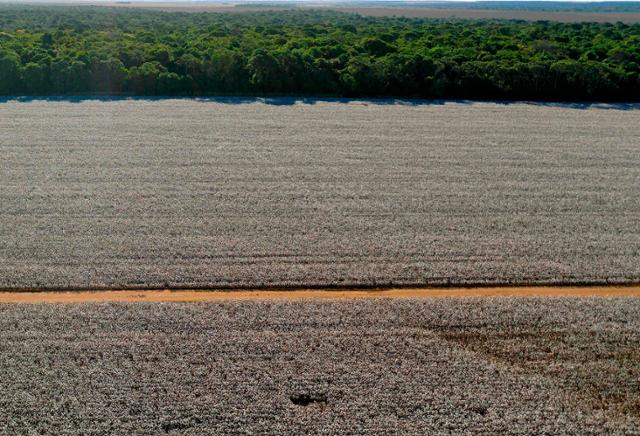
{"points": [[285, 193], [392, 366], [185, 296], [385, 11], [478, 14]]}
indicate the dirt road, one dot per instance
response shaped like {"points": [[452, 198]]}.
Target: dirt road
{"points": [[307, 294]]}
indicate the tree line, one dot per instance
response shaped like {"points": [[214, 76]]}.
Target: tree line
{"points": [[46, 50]]}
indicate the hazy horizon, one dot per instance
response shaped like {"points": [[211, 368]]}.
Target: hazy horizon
{"points": [[321, 1]]}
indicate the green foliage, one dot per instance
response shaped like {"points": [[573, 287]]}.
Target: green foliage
{"points": [[96, 50]]}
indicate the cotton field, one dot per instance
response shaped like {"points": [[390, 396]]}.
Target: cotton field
{"points": [[225, 193], [481, 366]]}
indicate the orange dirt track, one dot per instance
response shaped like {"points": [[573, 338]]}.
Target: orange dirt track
{"points": [[305, 294]]}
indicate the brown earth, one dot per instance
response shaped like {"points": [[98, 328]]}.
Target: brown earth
{"points": [[307, 294]]}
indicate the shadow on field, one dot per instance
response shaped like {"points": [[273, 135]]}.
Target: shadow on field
{"points": [[583, 106], [271, 101], [290, 101]]}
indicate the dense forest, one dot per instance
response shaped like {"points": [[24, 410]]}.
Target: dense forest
{"points": [[118, 51]]}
